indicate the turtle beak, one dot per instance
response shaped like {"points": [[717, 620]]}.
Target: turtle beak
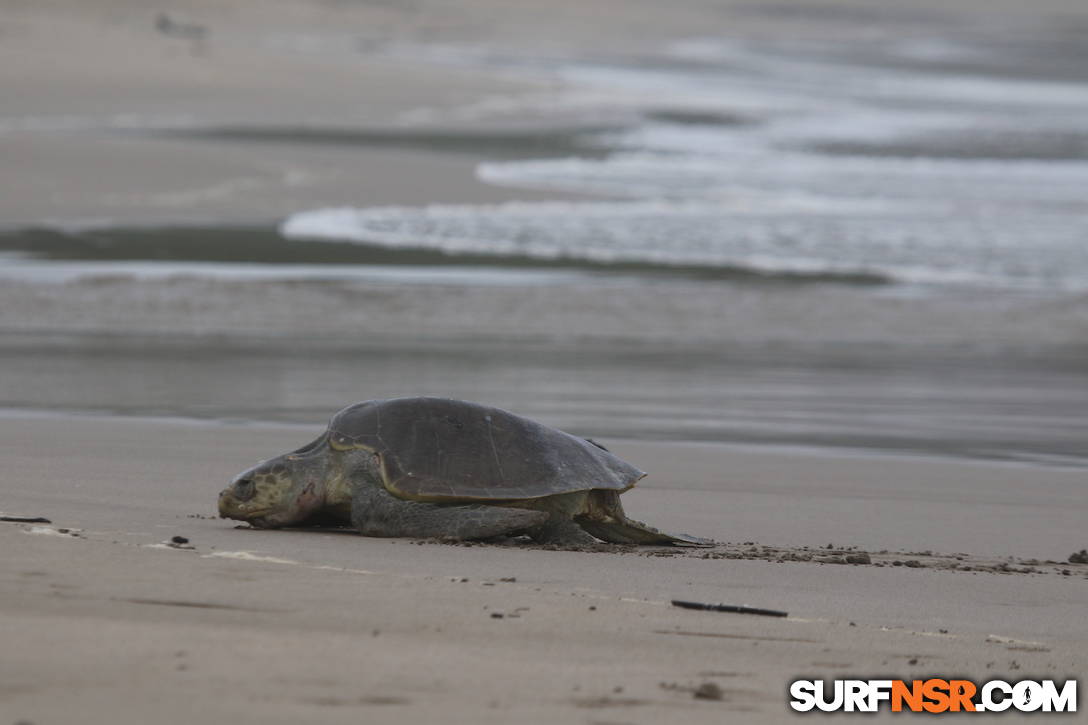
{"points": [[224, 502], [232, 498]]}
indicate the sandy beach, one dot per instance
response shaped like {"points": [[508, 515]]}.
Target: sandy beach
{"points": [[105, 623], [831, 295]]}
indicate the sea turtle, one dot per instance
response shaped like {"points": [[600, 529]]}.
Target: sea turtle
{"points": [[432, 467]]}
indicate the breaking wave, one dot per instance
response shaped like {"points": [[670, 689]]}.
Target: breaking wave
{"points": [[643, 238], [745, 239]]}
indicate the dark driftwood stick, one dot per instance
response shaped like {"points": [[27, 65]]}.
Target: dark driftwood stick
{"points": [[25, 519], [728, 608]]}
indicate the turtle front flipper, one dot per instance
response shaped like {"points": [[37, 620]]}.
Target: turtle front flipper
{"points": [[376, 512]]}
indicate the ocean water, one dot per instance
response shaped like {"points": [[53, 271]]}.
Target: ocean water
{"points": [[884, 247], [930, 164], [747, 160]]}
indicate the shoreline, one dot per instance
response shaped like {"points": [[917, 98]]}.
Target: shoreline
{"points": [[306, 350], [769, 448]]}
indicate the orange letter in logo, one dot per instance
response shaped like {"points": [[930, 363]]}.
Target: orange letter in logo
{"points": [[937, 691], [960, 694], [901, 694]]}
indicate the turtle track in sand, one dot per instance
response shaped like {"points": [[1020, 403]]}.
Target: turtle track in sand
{"points": [[828, 554]]}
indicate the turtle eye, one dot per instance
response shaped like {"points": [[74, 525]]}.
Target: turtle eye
{"points": [[244, 489]]}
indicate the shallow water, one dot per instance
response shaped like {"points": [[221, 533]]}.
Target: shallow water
{"points": [[783, 240], [851, 397]]}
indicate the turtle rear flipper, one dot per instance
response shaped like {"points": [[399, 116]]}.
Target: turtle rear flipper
{"points": [[629, 531], [605, 519]]}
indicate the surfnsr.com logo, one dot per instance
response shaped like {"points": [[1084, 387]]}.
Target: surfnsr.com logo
{"points": [[933, 696]]}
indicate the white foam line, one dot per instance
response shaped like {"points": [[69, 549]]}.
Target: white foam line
{"points": [[326, 567], [50, 272], [250, 556], [1002, 639], [46, 531]]}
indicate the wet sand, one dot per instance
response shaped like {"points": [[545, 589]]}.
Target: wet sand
{"points": [[105, 624], [310, 88], [995, 377], [76, 130]]}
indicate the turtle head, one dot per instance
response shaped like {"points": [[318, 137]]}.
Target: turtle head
{"points": [[284, 491]]}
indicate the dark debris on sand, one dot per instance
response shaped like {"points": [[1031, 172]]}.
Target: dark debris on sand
{"points": [[18, 519], [819, 555], [703, 691]]}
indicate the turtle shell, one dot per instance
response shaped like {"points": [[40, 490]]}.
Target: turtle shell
{"points": [[435, 449]]}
